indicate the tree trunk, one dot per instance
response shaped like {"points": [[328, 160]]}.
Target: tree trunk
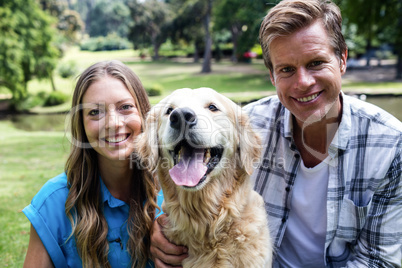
{"points": [[206, 65], [156, 46], [399, 44], [368, 52], [235, 36], [52, 81], [399, 66], [196, 51]]}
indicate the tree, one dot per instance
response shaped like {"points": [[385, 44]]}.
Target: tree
{"points": [[26, 49], [187, 25], [206, 64], [377, 21], [152, 20], [242, 19], [196, 14], [108, 17]]}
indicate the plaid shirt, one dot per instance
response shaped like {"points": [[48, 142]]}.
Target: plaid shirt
{"points": [[364, 198]]}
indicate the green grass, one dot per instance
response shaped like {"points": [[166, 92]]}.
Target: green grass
{"points": [[27, 161]]}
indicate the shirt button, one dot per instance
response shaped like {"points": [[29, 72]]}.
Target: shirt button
{"points": [[283, 219], [287, 189]]}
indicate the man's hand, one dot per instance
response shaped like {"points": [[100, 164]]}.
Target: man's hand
{"points": [[164, 253]]}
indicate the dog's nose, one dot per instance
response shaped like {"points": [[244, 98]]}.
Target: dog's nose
{"points": [[182, 117]]}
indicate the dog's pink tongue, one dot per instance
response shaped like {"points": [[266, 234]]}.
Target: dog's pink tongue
{"points": [[190, 169]]}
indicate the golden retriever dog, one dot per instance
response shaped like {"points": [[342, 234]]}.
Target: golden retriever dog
{"points": [[203, 151]]}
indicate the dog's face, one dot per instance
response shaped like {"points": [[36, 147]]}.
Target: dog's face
{"points": [[195, 135]]}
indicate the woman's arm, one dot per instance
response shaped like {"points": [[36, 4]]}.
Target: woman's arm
{"points": [[37, 255]]}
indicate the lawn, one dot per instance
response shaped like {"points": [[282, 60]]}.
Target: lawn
{"points": [[27, 161]]}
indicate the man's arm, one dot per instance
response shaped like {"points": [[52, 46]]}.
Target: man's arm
{"points": [[380, 243], [164, 253]]}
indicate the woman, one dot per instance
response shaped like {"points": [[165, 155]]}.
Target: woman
{"points": [[100, 211]]}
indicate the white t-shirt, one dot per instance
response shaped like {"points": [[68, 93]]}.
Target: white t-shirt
{"points": [[303, 244]]}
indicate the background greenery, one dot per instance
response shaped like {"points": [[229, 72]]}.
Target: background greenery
{"points": [[36, 34], [45, 44]]}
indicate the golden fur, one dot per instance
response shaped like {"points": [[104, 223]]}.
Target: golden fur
{"points": [[222, 221]]}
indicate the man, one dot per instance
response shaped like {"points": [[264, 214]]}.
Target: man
{"points": [[330, 173]]}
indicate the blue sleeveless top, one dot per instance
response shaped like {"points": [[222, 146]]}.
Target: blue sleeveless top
{"points": [[47, 215]]}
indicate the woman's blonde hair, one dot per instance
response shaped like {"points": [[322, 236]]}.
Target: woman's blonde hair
{"points": [[83, 206], [291, 15]]}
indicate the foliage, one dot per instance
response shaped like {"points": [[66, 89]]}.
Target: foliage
{"points": [[108, 43], [154, 90], [242, 19], [377, 22], [68, 69], [187, 25], [30, 101], [109, 17], [42, 98], [69, 23], [26, 49], [56, 98], [152, 20]]}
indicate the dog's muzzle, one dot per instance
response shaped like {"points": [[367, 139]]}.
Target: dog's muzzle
{"points": [[182, 118], [192, 161]]}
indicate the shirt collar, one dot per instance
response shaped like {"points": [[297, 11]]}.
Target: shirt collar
{"points": [[288, 124], [108, 197], [342, 135]]}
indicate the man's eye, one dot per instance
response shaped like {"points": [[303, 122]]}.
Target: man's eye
{"points": [[213, 108], [169, 110], [316, 63], [286, 69]]}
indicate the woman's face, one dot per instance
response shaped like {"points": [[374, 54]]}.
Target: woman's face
{"points": [[111, 119]]}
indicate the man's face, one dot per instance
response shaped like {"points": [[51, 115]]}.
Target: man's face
{"points": [[307, 73]]}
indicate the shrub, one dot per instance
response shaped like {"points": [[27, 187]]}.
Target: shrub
{"points": [[68, 69], [56, 98], [101, 43], [31, 101], [154, 90]]}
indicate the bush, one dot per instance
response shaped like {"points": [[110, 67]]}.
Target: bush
{"points": [[68, 69], [31, 101], [56, 98], [154, 90], [108, 43]]}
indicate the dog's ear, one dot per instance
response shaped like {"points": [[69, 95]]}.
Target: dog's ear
{"points": [[249, 143], [147, 141]]}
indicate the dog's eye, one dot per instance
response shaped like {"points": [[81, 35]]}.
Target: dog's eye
{"points": [[213, 108], [169, 110]]}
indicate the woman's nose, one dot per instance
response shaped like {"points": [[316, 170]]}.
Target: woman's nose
{"points": [[114, 120]]}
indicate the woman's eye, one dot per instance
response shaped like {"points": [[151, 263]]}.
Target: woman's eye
{"points": [[169, 110], [213, 108], [94, 112], [127, 107]]}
